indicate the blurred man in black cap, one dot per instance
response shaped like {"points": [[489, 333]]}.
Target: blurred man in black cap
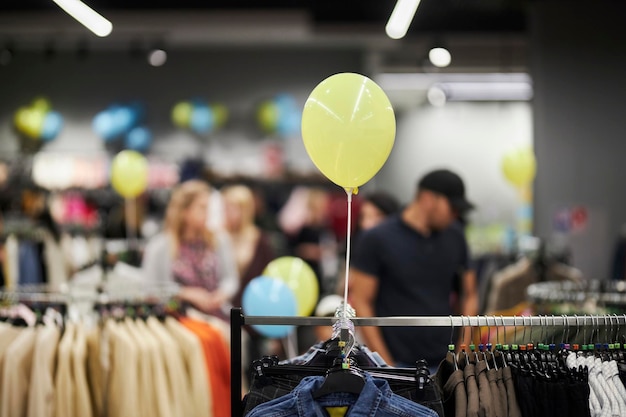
{"points": [[416, 263]]}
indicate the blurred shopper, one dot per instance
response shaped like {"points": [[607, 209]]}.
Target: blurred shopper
{"points": [[412, 265], [251, 245], [375, 207], [188, 253], [314, 239], [253, 251]]}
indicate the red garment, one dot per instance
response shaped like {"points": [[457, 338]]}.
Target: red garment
{"points": [[217, 362]]}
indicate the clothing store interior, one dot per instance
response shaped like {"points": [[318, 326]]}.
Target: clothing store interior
{"points": [[312, 208]]}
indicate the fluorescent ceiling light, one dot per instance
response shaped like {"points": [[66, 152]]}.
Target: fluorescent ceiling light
{"points": [[462, 87], [485, 91], [401, 18], [87, 16]]}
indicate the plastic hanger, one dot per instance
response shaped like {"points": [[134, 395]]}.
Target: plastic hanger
{"points": [[451, 347], [342, 378]]}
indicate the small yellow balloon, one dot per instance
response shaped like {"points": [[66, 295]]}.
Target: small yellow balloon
{"points": [[267, 116], [42, 104], [181, 114], [348, 128], [519, 167], [220, 113], [29, 121], [298, 276], [129, 173]]}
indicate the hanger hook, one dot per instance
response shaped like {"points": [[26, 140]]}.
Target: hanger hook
{"points": [[462, 329], [577, 328], [553, 329], [515, 329], [542, 326], [495, 323], [504, 329], [488, 330], [616, 330], [451, 329]]}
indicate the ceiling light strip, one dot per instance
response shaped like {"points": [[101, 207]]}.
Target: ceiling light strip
{"points": [[401, 18], [87, 16]]}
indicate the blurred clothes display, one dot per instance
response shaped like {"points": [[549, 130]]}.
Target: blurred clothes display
{"points": [[165, 366], [508, 286], [36, 258]]}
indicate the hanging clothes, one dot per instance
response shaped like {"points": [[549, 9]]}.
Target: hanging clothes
{"points": [[44, 365], [217, 363], [191, 347], [508, 286], [376, 400], [16, 374]]}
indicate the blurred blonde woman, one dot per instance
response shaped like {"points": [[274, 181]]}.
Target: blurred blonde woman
{"points": [[188, 253], [252, 247]]}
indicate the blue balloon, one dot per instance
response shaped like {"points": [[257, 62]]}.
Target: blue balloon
{"points": [[139, 139], [104, 125], [285, 102], [289, 123], [124, 119], [52, 124], [265, 296], [138, 111], [202, 119]]}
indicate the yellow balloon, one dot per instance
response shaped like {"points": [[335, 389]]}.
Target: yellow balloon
{"points": [[221, 114], [267, 116], [129, 173], [29, 121], [298, 276], [181, 114], [519, 167], [42, 104], [348, 128]]}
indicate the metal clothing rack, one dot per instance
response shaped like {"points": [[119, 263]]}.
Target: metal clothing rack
{"points": [[238, 320]]}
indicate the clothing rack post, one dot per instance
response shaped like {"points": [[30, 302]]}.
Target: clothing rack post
{"points": [[236, 323], [238, 320]]}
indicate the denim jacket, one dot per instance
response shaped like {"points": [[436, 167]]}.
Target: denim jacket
{"points": [[375, 400]]}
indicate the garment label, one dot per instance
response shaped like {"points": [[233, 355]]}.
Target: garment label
{"points": [[337, 411]]}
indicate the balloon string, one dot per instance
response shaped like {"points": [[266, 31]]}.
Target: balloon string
{"points": [[131, 212], [348, 238]]}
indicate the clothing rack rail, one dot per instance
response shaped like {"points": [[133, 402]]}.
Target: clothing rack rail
{"points": [[238, 320]]}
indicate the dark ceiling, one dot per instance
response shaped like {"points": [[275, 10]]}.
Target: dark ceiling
{"points": [[432, 15]]}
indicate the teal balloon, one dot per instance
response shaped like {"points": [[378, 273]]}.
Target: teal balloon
{"points": [[52, 125], [265, 296]]}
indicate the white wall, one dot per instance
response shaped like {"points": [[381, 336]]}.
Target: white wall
{"points": [[469, 138]]}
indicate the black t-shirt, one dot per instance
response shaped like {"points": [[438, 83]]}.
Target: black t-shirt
{"points": [[417, 275]]}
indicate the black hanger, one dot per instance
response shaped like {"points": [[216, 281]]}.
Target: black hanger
{"points": [[339, 379]]}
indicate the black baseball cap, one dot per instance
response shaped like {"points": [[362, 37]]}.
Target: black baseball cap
{"points": [[448, 184]]}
